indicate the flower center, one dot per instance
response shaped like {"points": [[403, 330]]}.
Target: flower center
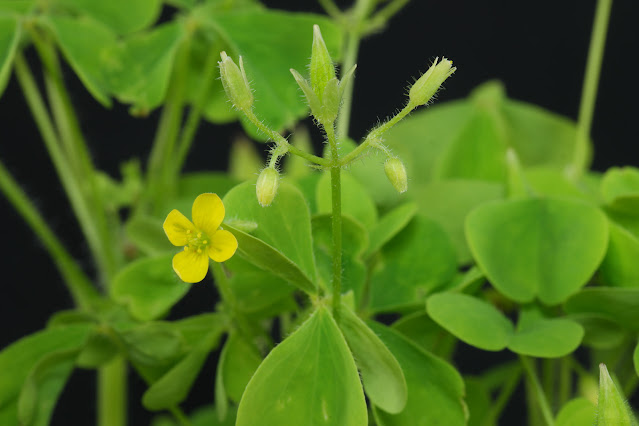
{"points": [[196, 241]]}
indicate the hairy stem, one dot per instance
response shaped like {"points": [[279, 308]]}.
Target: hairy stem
{"points": [[112, 393], [336, 219]]}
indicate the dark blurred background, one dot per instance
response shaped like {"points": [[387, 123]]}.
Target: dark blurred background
{"points": [[537, 49]]}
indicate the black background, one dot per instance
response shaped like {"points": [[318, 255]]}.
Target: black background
{"points": [[537, 49]]}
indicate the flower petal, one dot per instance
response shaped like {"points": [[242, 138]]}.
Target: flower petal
{"points": [[223, 246], [190, 265], [208, 213], [175, 227]]}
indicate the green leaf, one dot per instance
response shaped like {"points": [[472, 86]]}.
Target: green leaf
{"points": [[554, 183], [620, 189], [149, 287], [88, 46], [449, 202], [354, 242], [435, 388], [600, 332], [416, 262], [99, 349], [577, 412], [355, 199], [478, 400], [545, 338], [422, 331], [238, 366], [390, 225], [173, 387], [620, 267], [383, 379], [310, 378], [43, 386], [545, 248], [122, 16], [19, 7], [472, 320], [151, 343], [147, 234], [145, 83], [191, 185], [195, 328], [255, 289], [272, 260], [478, 152], [620, 305], [284, 225], [612, 408], [289, 37], [9, 38], [18, 360]]}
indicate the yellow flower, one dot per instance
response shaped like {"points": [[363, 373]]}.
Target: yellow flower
{"points": [[201, 238]]}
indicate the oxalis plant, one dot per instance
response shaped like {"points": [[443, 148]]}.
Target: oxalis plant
{"points": [[346, 280]]}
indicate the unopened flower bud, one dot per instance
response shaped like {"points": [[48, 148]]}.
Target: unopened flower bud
{"points": [[396, 173], [235, 83], [267, 184], [322, 68], [612, 409], [428, 84]]}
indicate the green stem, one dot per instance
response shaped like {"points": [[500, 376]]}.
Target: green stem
{"points": [[503, 398], [70, 182], [281, 141], [548, 374], [542, 401], [375, 136], [565, 381], [112, 393], [331, 9], [167, 132], [195, 114], [79, 285], [179, 415], [589, 89], [336, 220], [384, 15]]}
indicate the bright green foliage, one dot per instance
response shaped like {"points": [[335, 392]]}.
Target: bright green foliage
{"points": [[277, 95], [146, 233], [20, 7], [99, 349], [255, 288], [139, 13], [522, 263], [310, 378], [615, 304], [636, 358], [87, 46], [472, 320], [238, 362], [39, 359], [577, 412], [545, 338], [620, 267], [390, 225], [289, 208], [421, 330], [448, 203], [173, 387], [612, 409], [620, 189], [435, 389], [383, 380], [148, 287], [9, 38], [150, 344], [599, 332], [417, 261]]}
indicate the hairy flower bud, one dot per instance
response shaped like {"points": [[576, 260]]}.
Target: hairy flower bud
{"points": [[235, 83], [428, 84], [267, 184], [396, 173], [612, 409], [322, 68]]}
